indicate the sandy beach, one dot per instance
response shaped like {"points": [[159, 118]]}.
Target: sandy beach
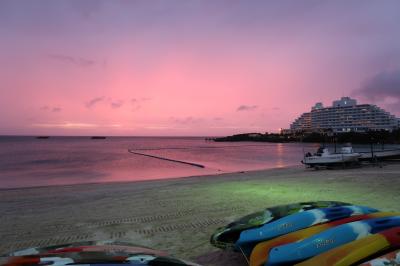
{"points": [[179, 215]]}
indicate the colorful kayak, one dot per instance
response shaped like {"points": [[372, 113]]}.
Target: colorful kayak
{"points": [[390, 259], [259, 255], [297, 252], [88, 246], [137, 260], [226, 237], [358, 250], [98, 253], [249, 238]]}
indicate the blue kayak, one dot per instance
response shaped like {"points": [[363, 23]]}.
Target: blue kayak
{"points": [[296, 252], [225, 237], [249, 238]]}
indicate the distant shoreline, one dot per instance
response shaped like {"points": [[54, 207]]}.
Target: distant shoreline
{"points": [[371, 137]]}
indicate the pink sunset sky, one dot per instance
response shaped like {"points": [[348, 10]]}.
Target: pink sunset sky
{"points": [[189, 67]]}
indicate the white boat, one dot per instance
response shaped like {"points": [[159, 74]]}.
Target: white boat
{"points": [[324, 158]]}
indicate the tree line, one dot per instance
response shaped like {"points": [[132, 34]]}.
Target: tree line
{"points": [[372, 136]]}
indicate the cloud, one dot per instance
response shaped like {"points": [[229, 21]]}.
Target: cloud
{"points": [[136, 100], [51, 109], [65, 125], [75, 125], [117, 104], [382, 85], [78, 61], [113, 103], [137, 103], [94, 101], [187, 120], [246, 108]]}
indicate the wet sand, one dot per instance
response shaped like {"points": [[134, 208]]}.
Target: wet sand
{"points": [[179, 215]]}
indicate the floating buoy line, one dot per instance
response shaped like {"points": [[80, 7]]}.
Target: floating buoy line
{"points": [[166, 159]]}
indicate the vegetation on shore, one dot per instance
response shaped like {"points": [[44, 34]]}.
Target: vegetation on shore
{"points": [[382, 136]]}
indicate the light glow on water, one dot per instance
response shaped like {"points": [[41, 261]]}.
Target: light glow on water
{"points": [[26, 161]]}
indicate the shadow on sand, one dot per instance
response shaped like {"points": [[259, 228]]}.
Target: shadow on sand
{"points": [[221, 258]]}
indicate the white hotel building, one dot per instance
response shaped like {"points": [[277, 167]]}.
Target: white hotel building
{"points": [[345, 115]]}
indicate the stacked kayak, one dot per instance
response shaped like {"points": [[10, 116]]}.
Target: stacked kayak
{"points": [[358, 250], [337, 234], [92, 253], [326, 241], [226, 237], [260, 253]]}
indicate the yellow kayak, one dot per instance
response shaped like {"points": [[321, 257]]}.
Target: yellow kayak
{"points": [[358, 250]]}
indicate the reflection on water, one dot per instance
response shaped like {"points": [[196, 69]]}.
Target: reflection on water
{"points": [[26, 161], [279, 155]]}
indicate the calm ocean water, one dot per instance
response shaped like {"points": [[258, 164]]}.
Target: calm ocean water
{"points": [[27, 161]]}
